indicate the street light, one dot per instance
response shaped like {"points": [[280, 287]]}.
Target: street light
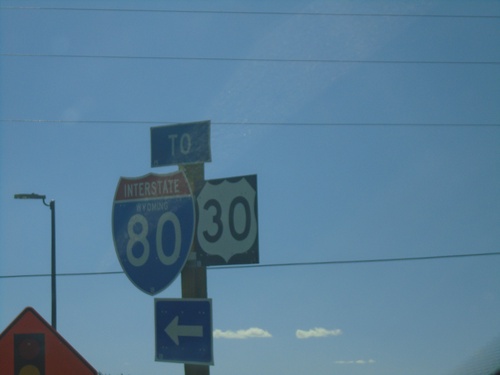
{"points": [[52, 206]]}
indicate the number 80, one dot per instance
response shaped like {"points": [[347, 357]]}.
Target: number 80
{"points": [[141, 237]]}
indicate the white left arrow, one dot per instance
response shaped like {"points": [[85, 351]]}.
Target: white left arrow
{"points": [[174, 330]]}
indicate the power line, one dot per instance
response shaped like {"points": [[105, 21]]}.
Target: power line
{"points": [[253, 123], [61, 274], [247, 13], [249, 59], [273, 265], [360, 261]]}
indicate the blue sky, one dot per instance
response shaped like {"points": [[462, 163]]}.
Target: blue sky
{"points": [[373, 137]]}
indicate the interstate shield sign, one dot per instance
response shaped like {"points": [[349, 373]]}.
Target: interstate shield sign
{"points": [[153, 228]]}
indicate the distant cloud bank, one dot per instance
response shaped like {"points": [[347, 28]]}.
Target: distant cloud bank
{"points": [[357, 362], [249, 333], [317, 332]]}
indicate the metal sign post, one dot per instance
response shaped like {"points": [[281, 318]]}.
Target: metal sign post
{"points": [[194, 275]]}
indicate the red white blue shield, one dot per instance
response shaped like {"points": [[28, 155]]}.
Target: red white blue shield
{"points": [[153, 228]]}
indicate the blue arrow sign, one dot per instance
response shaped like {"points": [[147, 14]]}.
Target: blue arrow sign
{"points": [[183, 330], [187, 143]]}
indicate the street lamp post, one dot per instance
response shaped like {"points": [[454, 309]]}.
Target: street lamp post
{"points": [[52, 206]]}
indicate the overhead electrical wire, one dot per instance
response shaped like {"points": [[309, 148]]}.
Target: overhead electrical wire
{"points": [[253, 123], [245, 13], [249, 59], [274, 265]]}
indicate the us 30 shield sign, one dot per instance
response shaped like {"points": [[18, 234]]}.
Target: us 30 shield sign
{"points": [[153, 228], [227, 225]]}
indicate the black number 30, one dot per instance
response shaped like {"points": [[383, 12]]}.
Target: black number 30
{"points": [[216, 219]]}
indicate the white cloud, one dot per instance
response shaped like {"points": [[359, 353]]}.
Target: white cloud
{"points": [[242, 334], [317, 332], [356, 362]]}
